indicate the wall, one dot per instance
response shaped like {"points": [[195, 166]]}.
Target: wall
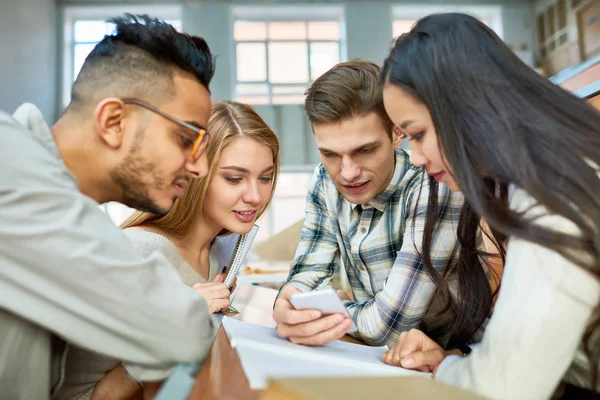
{"points": [[28, 44], [368, 34], [31, 71]]}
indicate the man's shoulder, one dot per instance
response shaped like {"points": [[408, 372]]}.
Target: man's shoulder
{"points": [[23, 128], [27, 150]]}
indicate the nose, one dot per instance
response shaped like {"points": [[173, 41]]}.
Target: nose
{"points": [[417, 157], [252, 194], [199, 167], [350, 170]]}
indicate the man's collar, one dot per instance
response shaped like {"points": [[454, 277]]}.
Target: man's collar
{"points": [[381, 200]]}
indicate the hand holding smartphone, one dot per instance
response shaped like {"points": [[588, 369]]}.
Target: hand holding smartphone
{"points": [[326, 301]]}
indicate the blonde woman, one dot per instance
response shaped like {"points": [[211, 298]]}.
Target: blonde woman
{"points": [[244, 161], [243, 155]]}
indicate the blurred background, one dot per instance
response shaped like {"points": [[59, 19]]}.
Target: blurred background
{"points": [[270, 51]]}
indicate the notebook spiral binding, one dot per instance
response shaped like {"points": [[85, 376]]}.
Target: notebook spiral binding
{"points": [[239, 255]]}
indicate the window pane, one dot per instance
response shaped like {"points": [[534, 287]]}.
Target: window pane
{"points": [[288, 94], [251, 62], [286, 212], [175, 23], [324, 30], [562, 14], [323, 56], [288, 62], [92, 31], [550, 21], [264, 232], [246, 89], [287, 30], [293, 184], [401, 26], [288, 99], [246, 30], [256, 99], [80, 53], [289, 89], [118, 212], [540, 26]]}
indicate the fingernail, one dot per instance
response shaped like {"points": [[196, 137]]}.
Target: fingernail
{"points": [[315, 314], [338, 319], [407, 361]]}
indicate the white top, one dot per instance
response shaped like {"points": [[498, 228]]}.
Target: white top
{"points": [[536, 330]]}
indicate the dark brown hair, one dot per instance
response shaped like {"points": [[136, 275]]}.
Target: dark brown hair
{"points": [[499, 116]]}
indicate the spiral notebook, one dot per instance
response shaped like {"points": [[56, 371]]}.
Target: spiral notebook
{"points": [[231, 252]]}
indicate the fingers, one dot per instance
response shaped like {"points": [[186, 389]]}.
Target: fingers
{"points": [[212, 290], [329, 335], [322, 327], [415, 350], [425, 361], [414, 340], [205, 285], [216, 305], [219, 278], [284, 313]]}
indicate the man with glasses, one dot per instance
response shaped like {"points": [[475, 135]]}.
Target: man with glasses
{"points": [[133, 133]]}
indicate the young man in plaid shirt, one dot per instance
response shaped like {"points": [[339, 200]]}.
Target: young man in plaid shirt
{"points": [[360, 209]]}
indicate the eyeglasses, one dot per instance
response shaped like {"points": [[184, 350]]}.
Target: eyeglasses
{"points": [[203, 136]]}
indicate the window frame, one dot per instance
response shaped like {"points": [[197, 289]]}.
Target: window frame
{"points": [[72, 14], [490, 13], [284, 13]]}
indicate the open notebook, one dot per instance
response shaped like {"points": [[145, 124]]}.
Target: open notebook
{"points": [[264, 356]]}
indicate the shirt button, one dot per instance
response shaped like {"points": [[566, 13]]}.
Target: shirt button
{"points": [[361, 267], [363, 230]]}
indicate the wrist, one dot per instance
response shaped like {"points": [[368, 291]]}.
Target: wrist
{"points": [[462, 350]]}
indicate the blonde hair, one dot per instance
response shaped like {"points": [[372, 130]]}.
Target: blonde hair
{"points": [[228, 121]]}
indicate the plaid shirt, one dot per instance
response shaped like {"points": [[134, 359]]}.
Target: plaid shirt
{"points": [[376, 244]]}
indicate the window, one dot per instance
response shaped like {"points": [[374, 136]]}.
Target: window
{"points": [[277, 57], [401, 26], [561, 10], [88, 33], [287, 206], [84, 27], [405, 16]]}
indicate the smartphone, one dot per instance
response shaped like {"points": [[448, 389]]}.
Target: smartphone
{"points": [[326, 301]]}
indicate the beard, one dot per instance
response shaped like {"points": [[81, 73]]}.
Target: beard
{"points": [[135, 176]]}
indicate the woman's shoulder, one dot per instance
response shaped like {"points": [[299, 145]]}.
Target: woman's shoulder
{"points": [[147, 240], [547, 263], [531, 209]]}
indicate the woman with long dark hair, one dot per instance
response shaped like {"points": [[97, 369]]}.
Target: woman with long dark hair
{"points": [[525, 153]]}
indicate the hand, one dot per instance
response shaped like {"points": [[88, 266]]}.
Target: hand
{"points": [[215, 293], [415, 350], [343, 295], [307, 327]]}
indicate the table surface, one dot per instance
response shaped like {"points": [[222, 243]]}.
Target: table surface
{"points": [[221, 375]]}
